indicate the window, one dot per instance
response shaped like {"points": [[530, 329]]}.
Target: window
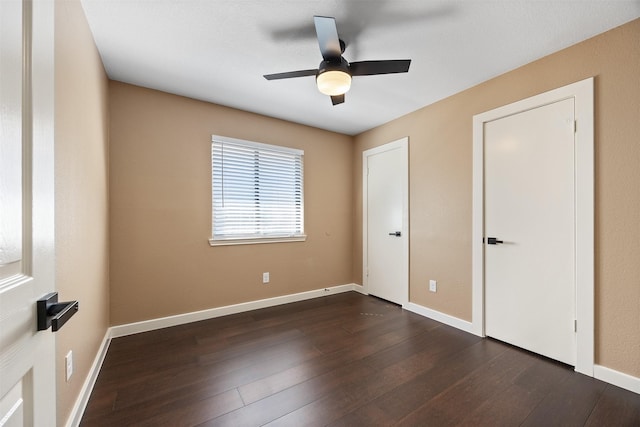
{"points": [[257, 192]]}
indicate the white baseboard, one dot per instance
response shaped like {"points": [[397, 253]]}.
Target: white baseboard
{"points": [[180, 319], [617, 378], [440, 317], [85, 392], [359, 289]]}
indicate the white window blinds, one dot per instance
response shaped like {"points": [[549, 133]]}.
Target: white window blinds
{"points": [[257, 191]]}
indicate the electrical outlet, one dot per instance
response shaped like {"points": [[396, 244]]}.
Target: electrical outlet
{"points": [[68, 359], [265, 277], [433, 286]]}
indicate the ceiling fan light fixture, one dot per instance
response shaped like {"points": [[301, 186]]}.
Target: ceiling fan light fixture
{"points": [[334, 82], [333, 77]]}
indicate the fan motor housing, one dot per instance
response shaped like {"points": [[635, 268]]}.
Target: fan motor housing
{"points": [[338, 64]]}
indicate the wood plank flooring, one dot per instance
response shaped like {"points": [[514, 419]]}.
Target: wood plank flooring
{"points": [[341, 360]]}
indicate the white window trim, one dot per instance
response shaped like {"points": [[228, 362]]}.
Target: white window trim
{"points": [[230, 241], [239, 241]]}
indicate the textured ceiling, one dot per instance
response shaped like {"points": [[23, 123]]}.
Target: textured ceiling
{"points": [[218, 50]]}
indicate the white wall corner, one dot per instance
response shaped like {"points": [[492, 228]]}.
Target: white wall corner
{"points": [[359, 289]]}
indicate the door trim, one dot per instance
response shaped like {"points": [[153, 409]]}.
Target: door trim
{"points": [[403, 145], [582, 92]]}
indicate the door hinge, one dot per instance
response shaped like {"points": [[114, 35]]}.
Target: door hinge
{"points": [[575, 325], [575, 126]]}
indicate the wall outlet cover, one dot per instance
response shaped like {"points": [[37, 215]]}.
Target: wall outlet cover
{"points": [[68, 359], [433, 286]]}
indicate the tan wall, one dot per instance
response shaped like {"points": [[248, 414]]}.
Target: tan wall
{"points": [[160, 183], [440, 144], [81, 167]]}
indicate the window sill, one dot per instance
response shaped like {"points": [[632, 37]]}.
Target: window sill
{"points": [[255, 241]]}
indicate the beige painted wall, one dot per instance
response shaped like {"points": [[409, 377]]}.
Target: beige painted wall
{"points": [[440, 145], [160, 204], [81, 168]]}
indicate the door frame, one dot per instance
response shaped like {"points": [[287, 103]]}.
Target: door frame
{"points": [[583, 94], [403, 145]]}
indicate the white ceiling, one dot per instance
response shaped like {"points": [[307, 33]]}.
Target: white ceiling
{"points": [[218, 50]]}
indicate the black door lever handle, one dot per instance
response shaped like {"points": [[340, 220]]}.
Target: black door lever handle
{"points": [[494, 241], [396, 233], [54, 314]]}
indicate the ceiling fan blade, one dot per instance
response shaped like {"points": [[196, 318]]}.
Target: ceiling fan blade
{"points": [[337, 99], [291, 74], [327, 37], [369, 68]]}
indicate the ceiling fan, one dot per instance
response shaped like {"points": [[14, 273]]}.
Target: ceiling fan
{"points": [[333, 75]]}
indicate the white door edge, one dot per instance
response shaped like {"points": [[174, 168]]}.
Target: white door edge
{"points": [[403, 145], [582, 92], [27, 357]]}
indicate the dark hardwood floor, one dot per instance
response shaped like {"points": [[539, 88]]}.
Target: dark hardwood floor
{"points": [[341, 360]]}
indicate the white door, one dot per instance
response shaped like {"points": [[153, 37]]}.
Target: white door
{"points": [[27, 357], [530, 215], [386, 224]]}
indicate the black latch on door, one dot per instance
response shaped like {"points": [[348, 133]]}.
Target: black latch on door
{"points": [[396, 233], [53, 313], [494, 241]]}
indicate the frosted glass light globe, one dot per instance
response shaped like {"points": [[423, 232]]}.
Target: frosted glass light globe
{"points": [[333, 82]]}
